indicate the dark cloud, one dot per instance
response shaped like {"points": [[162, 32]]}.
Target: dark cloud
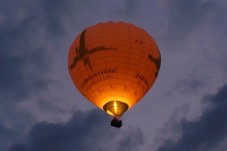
{"points": [[85, 131], [192, 82], [25, 62], [16, 80], [206, 133], [52, 15], [6, 136], [185, 16], [189, 85], [129, 9], [24, 58], [59, 13], [131, 141]]}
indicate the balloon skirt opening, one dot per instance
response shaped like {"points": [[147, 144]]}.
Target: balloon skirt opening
{"points": [[115, 108]]}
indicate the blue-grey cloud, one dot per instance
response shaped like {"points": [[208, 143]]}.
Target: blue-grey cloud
{"points": [[25, 62], [185, 16], [192, 82], [6, 136], [24, 57], [129, 8], [206, 133], [85, 131]]}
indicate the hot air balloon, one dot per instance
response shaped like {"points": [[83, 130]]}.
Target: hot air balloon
{"points": [[114, 64]]}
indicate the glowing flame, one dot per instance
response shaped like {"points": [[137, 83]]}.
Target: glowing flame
{"points": [[115, 106]]}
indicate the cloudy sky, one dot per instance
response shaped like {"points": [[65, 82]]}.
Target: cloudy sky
{"points": [[41, 110]]}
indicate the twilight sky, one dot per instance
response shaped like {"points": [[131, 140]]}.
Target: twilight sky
{"points": [[41, 110]]}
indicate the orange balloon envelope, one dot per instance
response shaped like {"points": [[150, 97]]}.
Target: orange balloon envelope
{"points": [[113, 65]]}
